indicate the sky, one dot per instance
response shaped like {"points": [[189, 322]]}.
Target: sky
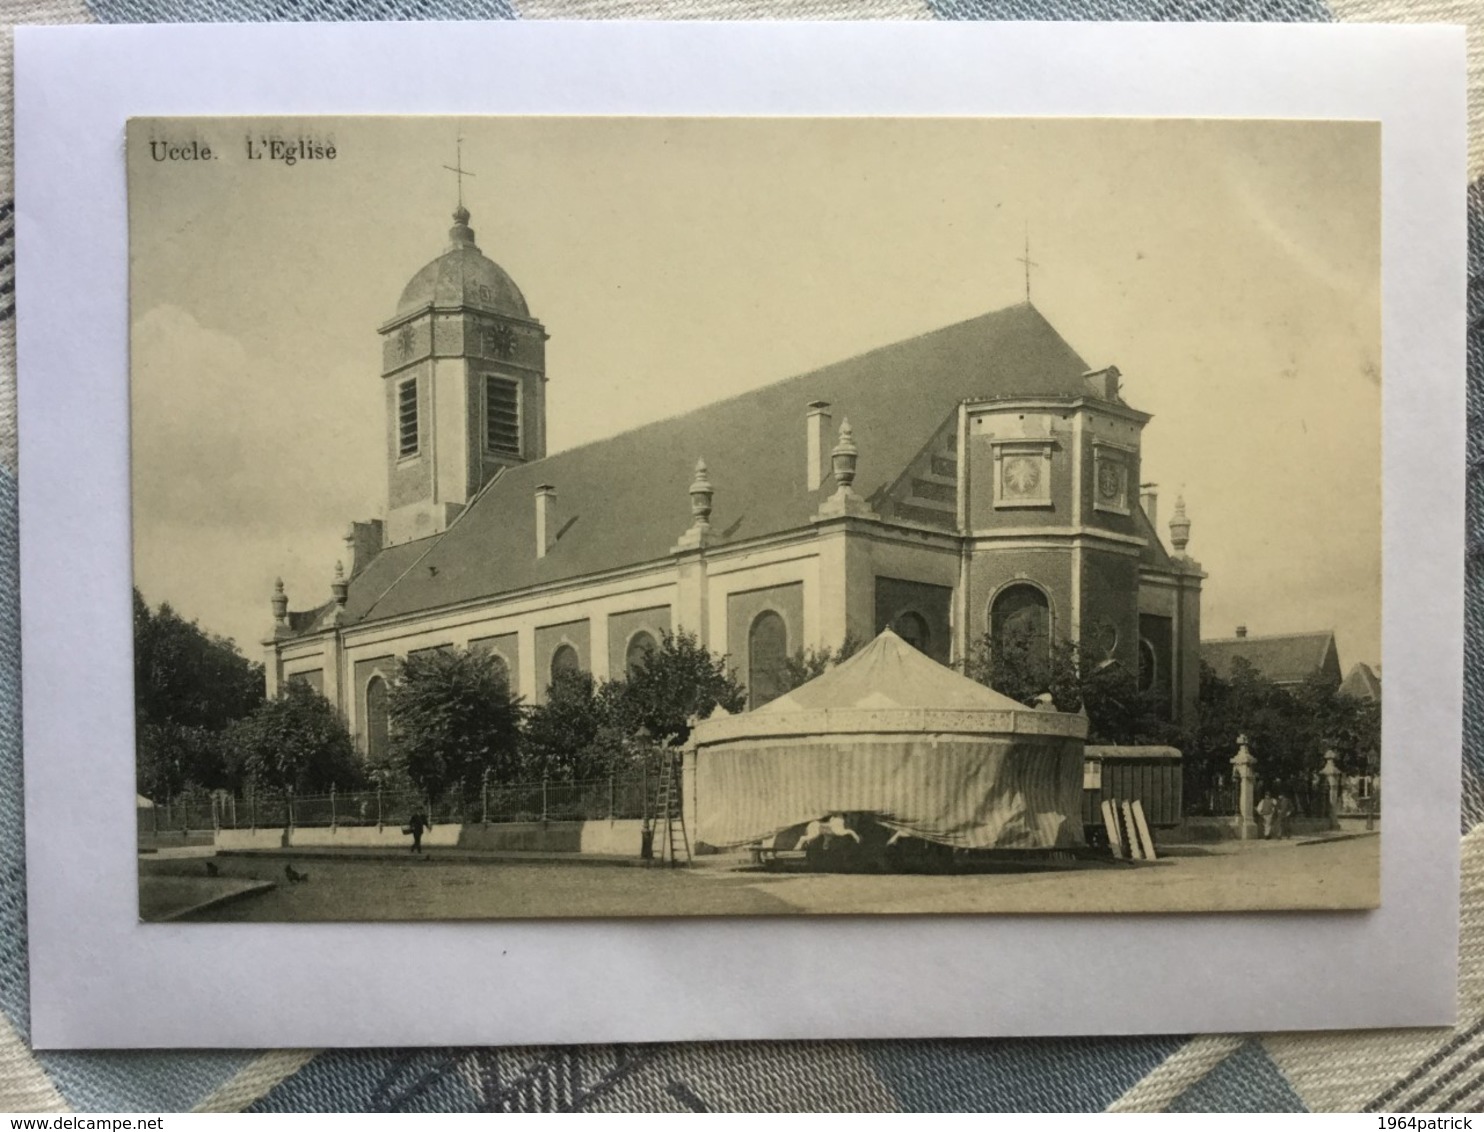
{"points": [[1229, 268]]}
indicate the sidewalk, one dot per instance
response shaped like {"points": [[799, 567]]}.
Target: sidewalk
{"points": [[508, 856]]}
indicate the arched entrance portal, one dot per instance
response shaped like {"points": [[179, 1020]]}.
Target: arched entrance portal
{"points": [[1021, 613]]}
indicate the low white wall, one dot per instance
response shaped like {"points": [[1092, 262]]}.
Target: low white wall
{"points": [[249, 839], [369, 836], [616, 837], [619, 837]]}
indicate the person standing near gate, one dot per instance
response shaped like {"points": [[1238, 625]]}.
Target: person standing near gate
{"points": [[1283, 816], [1266, 809]]}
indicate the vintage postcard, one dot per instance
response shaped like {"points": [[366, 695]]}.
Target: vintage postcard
{"points": [[618, 516]]}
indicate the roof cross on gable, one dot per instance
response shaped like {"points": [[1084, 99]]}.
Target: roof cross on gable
{"points": [[1029, 263]]}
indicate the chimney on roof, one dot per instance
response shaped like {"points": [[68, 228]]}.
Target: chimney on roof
{"points": [[1241, 632], [1149, 500], [363, 542], [818, 423], [1103, 383], [545, 518]]}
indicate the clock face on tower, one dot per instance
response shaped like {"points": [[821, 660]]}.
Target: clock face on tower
{"points": [[499, 341], [1022, 475]]}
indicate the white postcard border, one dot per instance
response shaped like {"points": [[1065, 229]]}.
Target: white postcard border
{"points": [[101, 979]]}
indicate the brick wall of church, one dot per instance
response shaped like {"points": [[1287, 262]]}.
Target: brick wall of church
{"points": [[1016, 433], [896, 597], [1110, 597]]}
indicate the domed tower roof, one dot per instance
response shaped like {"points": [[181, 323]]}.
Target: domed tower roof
{"points": [[463, 276]]}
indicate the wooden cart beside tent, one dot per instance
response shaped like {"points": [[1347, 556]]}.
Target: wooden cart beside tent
{"points": [[1151, 775]]}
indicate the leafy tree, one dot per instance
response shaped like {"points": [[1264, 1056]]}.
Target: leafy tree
{"points": [[452, 719], [679, 680], [805, 664], [189, 686], [1288, 729], [184, 675], [1022, 666], [170, 757], [576, 734], [295, 741], [590, 728]]}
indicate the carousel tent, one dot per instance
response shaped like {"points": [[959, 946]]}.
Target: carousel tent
{"points": [[892, 733]]}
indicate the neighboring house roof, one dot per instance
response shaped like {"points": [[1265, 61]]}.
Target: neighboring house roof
{"points": [[623, 500], [1288, 658], [1362, 682]]}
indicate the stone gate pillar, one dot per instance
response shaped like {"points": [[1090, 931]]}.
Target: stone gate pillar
{"points": [[1332, 775], [1244, 769]]}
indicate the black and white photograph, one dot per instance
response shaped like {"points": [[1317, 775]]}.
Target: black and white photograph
{"points": [[553, 517]]}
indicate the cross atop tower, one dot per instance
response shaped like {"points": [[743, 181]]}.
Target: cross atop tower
{"points": [[1029, 263], [458, 170]]}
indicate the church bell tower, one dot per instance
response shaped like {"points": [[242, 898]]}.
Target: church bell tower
{"points": [[464, 376]]}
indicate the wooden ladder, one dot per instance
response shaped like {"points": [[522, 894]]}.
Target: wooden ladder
{"points": [[670, 838]]}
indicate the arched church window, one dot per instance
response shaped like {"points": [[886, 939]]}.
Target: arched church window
{"points": [[378, 724], [912, 627], [641, 644], [501, 667], [767, 658], [1148, 666], [564, 660], [1021, 614]]}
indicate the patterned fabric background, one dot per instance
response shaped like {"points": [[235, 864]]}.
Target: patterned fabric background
{"points": [[1420, 1071]]}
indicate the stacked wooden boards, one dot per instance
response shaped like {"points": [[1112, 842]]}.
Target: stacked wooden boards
{"points": [[1128, 831]]}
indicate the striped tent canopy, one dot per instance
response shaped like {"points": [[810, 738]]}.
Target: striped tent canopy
{"points": [[890, 673], [895, 735]]}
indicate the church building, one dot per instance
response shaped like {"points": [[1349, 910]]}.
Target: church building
{"points": [[981, 478]]}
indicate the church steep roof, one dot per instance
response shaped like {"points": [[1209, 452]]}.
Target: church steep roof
{"points": [[623, 500], [1288, 658]]}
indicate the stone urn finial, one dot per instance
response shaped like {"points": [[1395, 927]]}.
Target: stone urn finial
{"points": [[340, 587], [280, 602], [844, 456], [1179, 527], [701, 493]]}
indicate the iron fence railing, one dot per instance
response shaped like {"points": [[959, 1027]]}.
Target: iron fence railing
{"points": [[620, 797]]}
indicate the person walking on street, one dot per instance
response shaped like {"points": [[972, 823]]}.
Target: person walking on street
{"points": [[415, 826]]}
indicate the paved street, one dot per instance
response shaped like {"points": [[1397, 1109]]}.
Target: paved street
{"points": [[1228, 876]]}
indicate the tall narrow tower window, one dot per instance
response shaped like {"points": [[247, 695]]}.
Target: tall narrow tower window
{"points": [[501, 415], [407, 418]]}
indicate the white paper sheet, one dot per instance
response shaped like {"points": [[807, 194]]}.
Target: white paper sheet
{"points": [[99, 978]]}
